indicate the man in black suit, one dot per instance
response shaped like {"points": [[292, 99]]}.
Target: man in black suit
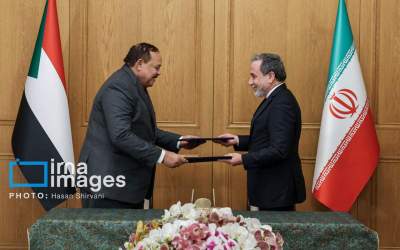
{"points": [[122, 139], [274, 176]]}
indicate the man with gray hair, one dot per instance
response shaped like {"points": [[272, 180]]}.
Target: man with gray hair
{"points": [[274, 176]]}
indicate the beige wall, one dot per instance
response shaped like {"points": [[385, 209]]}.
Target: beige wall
{"points": [[206, 47]]}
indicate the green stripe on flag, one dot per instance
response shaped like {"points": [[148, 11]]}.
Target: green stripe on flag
{"points": [[342, 46], [339, 70], [34, 68]]}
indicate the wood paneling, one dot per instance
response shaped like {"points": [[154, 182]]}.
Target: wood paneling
{"points": [[206, 47], [387, 203], [17, 213], [386, 192], [388, 59], [17, 41]]}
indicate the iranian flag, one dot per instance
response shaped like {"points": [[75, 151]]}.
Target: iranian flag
{"points": [[42, 129], [348, 149]]}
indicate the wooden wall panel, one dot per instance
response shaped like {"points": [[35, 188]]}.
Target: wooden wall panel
{"points": [[179, 42], [388, 59], [251, 31], [387, 204], [17, 41], [109, 35], [189, 72], [386, 195], [16, 214], [309, 36]]}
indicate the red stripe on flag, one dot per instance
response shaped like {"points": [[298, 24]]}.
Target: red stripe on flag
{"points": [[51, 40], [353, 169]]}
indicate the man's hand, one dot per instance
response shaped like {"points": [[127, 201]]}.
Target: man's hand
{"points": [[190, 144], [173, 160], [227, 142], [236, 159]]}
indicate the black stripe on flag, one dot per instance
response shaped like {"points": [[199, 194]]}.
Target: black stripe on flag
{"points": [[31, 143]]}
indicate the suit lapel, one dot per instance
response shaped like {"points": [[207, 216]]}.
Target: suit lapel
{"points": [[149, 105], [264, 104]]}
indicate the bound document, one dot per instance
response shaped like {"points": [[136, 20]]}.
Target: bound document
{"points": [[207, 158]]}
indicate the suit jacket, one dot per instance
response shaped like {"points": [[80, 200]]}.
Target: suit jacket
{"points": [[123, 139], [274, 174]]}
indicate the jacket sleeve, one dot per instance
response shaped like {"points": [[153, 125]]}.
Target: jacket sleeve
{"points": [[118, 112], [167, 140], [281, 127], [243, 143]]}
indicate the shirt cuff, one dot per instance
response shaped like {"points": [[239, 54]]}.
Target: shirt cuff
{"points": [[162, 155], [178, 144]]}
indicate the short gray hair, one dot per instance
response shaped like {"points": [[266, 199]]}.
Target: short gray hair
{"points": [[271, 62]]}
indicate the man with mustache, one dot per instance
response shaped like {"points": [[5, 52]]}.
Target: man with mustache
{"points": [[274, 176], [122, 138]]}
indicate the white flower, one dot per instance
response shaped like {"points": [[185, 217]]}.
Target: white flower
{"points": [[247, 242], [128, 245], [266, 227], [147, 243], [176, 209], [242, 236], [190, 212], [187, 208], [183, 223], [212, 227], [225, 212], [156, 235], [169, 231], [234, 230], [167, 215], [252, 224]]}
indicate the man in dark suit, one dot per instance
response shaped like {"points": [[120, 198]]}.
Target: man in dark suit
{"points": [[122, 139], [274, 176]]}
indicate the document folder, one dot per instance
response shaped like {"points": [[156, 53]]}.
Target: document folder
{"points": [[207, 158]]}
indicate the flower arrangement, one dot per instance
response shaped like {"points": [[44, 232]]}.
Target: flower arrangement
{"points": [[191, 228]]}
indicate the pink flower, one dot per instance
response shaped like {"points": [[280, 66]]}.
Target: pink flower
{"points": [[214, 218], [211, 245], [164, 247], [180, 243], [231, 243], [258, 235], [279, 239], [132, 237], [263, 245]]}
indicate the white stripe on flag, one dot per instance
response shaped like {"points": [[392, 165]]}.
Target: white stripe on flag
{"points": [[48, 101], [334, 130]]}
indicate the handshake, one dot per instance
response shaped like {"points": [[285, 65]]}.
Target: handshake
{"points": [[173, 160]]}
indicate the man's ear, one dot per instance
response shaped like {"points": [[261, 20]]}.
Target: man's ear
{"points": [[139, 63], [271, 75]]}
